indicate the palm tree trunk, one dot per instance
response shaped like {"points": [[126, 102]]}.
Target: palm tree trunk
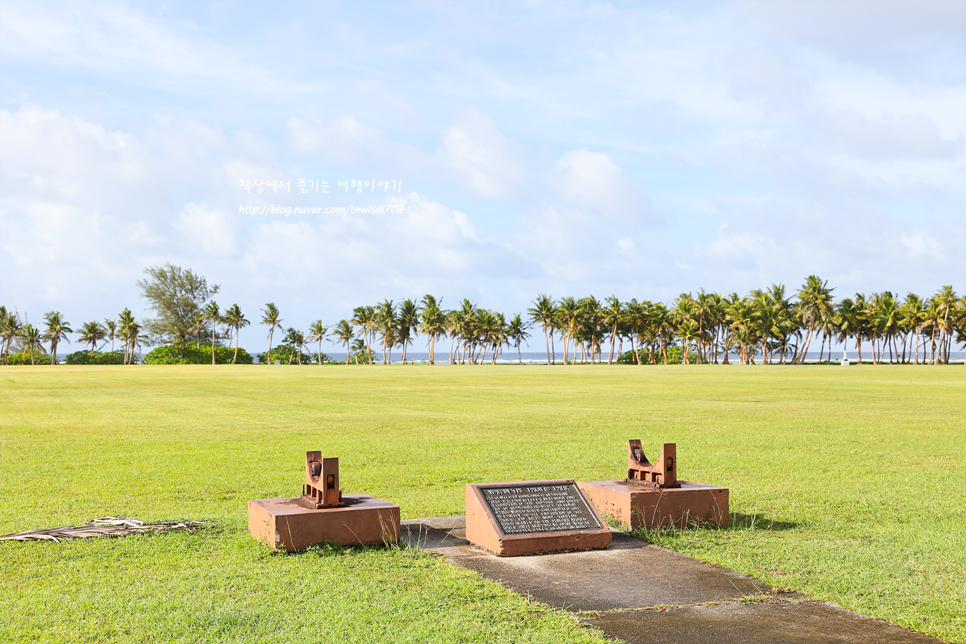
{"points": [[235, 358], [613, 338], [808, 339], [212, 343], [268, 356]]}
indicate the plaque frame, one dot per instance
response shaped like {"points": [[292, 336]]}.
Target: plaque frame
{"points": [[483, 528]]}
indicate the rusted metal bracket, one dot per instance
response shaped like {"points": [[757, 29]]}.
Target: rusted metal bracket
{"points": [[321, 489], [640, 471]]}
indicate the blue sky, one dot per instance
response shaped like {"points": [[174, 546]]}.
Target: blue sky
{"points": [[635, 149]]}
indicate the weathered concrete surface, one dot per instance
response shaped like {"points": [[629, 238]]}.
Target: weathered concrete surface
{"points": [[629, 574], [633, 574], [754, 623]]}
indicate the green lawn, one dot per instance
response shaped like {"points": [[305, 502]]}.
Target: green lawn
{"points": [[847, 484]]}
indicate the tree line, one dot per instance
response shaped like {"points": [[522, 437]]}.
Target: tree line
{"points": [[770, 325]]}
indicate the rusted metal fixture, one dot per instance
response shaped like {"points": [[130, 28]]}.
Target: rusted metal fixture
{"points": [[640, 471], [322, 514], [321, 488]]}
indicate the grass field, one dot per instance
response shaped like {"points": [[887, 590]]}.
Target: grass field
{"points": [[846, 484]]}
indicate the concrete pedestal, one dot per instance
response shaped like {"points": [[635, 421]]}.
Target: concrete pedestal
{"points": [[286, 524], [634, 506]]}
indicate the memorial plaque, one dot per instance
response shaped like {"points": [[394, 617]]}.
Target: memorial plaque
{"points": [[520, 509], [531, 517]]}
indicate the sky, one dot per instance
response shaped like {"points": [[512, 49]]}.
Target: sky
{"points": [[490, 151]]}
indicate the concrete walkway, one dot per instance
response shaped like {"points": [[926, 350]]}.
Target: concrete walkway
{"points": [[640, 592]]}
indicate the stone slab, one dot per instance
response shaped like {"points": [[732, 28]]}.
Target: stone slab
{"points": [[287, 524], [808, 622], [630, 573], [531, 517], [633, 506], [658, 596]]}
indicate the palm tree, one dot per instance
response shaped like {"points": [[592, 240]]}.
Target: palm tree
{"points": [[358, 346], [181, 341], [516, 332], [407, 325], [432, 322], [270, 317], [197, 327], [344, 334], [568, 319], [110, 328], [741, 318], [386, 321], [591, 316], [848, 319], [213, 315], [128, 330], [9, 329], [727, 302], [364, 318], [945, 301], [462, 325], [613, 315], [30, 336], [911, 315], [317, 333], [235, 319], [57, 328], [814, 299], [296, 339], [542, 312], [704, 315], [91, 333]]}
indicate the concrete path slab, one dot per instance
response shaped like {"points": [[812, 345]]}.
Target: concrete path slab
{"points": [[640, 592], [754, 623]]}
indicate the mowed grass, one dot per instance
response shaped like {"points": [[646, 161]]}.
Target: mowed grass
{"points": [[847, 484]]}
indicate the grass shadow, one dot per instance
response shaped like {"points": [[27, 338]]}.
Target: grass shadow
{"points": [[737, 522], [741, 521]]}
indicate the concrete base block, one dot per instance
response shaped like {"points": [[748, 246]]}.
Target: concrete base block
{"points": [[634, 506], [286, 524]]}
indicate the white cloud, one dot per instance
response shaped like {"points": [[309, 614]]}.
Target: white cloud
{"points": [[489, 163], [211, 231], [592, 182], [921, 41], [345, 139], [113, 38], [920, 244], [895, 137]]}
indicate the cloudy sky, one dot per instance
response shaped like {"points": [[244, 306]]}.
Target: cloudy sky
{"points": [[632, 149]]}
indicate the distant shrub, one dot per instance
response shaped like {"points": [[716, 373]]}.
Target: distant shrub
{"points": [[168, 354], [287, 352], [97, 357], [674, 356], [363, 356], [16, 357]]}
